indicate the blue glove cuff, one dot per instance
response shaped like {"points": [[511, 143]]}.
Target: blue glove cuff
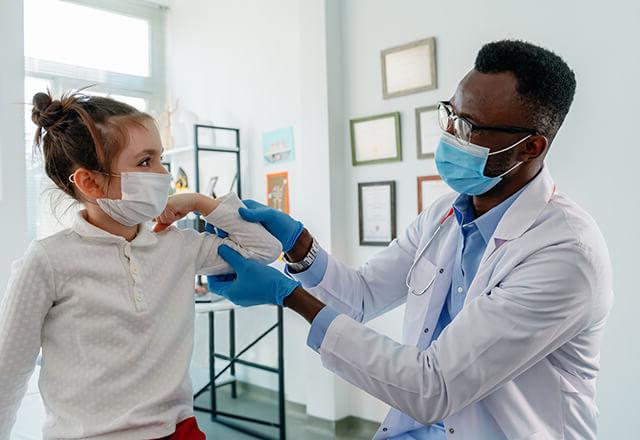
{"points": [[287, 290], [286, 247]]}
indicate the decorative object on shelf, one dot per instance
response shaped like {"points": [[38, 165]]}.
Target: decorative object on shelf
{"points": [[278, 191], [377, 213], [211, 187], [182, 182], [430, 189], [409, 68], [376, 139], [427, 131], [278, 146]]}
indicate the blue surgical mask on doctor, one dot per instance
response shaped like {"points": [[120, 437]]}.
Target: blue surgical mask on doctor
{"points": [[461, 166]]}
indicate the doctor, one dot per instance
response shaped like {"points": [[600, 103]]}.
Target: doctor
{"points": [[507, 283]]}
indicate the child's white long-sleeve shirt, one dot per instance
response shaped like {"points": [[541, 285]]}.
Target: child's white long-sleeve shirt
{"points": [[115, 323]]}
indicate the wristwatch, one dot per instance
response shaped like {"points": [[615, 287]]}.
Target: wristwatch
{"points": [[306, 262]]}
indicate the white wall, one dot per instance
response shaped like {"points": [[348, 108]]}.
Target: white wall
{"points": [[13, 227], [594, 159]]}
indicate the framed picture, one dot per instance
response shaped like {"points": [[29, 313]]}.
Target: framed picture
{"points": [[277, 145], [376, 139], [430, 189], [410, 68], [427, 131], [278, 191], [377, 213]]}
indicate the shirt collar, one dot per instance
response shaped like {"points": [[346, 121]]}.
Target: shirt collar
{"points": [[86, 230], [486, 223]]}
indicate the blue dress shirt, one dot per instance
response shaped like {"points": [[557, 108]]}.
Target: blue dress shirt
{"points": [[474, 236]]}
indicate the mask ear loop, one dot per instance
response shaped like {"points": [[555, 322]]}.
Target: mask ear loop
{"points": [[72, 179], [509, 148]]}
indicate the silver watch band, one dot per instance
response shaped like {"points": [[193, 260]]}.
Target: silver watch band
{"points": [[307, 261]]}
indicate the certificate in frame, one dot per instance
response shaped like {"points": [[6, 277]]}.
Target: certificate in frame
{"points": [[377, 213], [409, 68], [376, 139], [427, 131], [430, 189]]}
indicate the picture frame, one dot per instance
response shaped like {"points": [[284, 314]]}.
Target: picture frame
{"points": [[430, 189], [428, 131], [409, 68], [278, 191], [278, 146], [377, 213], [376, 139]]}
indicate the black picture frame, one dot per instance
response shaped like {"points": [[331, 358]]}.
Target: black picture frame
{"points": [[392, 212]]}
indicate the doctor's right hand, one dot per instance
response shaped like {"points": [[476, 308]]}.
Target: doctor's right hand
{"points": [[280, 225]]}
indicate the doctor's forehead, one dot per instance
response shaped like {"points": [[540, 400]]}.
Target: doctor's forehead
{"points": [[489, 99]]}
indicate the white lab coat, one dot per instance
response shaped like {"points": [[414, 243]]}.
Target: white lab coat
{"points": [[520, 360]]}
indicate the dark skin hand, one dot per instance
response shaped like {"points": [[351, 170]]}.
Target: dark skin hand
{"points": [[484, 99]]}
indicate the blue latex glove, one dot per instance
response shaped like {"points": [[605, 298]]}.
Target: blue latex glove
{"points": [[215, 283], [280, 225], [255, 282]]}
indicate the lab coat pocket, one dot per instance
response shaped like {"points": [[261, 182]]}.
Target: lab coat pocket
{"points": [[421, 282]]}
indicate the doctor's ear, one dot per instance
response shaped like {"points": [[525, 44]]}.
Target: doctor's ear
{"points": [[89, 184], [534, 147]]}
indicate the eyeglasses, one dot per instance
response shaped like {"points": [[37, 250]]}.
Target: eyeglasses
{"points": [[462, 128]]}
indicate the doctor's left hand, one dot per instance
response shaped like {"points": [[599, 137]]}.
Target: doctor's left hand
{"points": [[255, 282]]}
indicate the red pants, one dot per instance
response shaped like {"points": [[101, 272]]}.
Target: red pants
{"points": [[187, 430]]}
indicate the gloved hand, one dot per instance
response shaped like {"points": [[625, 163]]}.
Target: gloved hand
{"points": [[280, 225], [215, 283], [255, 282]]}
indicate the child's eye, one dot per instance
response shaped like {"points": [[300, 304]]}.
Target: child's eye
{"points": [[144, 163]]}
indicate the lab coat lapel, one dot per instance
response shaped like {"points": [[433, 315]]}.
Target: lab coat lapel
{"points": [[515, 222]]}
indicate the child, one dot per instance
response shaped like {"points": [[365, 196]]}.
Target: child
{"points": [[110, 301]]}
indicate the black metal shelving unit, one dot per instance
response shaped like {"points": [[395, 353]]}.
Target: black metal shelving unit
{"points": [[233, 358]]}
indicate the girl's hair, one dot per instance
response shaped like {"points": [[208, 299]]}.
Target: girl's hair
{"points": [[81, 131]]}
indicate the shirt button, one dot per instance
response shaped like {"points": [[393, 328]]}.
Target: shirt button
{"points": [[426, 330], [451, 430], [460, 290], [138, 297], [384, 429]]}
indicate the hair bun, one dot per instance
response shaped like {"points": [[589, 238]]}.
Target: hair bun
{"points": [[46, 112]]}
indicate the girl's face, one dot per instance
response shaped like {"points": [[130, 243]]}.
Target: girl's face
{"points": [[141, 154]]}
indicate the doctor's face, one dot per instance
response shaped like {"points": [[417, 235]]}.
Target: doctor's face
{"points": [[491, 99]]}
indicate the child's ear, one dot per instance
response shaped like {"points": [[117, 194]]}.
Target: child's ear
{"points": [[91, 185]]}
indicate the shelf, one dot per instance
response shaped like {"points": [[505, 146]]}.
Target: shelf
{"points": [[189, 148]]}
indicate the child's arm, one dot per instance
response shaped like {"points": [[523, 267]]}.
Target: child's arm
{"points": [[26, 302], [251, 240]]}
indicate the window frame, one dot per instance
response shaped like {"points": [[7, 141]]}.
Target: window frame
{"points": [[152, 88]]}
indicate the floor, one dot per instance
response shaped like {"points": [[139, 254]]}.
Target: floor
{"points": [[264, 406]]}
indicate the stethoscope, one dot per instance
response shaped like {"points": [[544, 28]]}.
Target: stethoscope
{"points": [[422, 251]]}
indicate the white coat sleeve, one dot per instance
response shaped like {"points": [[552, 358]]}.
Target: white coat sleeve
{"points": [[541, 304], [26, 302], [377, 286], [251, 240]]}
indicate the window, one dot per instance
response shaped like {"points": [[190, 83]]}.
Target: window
{"points": [[114, 46]]}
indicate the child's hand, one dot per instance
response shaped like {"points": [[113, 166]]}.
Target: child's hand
{"points": [[180, 205], [177, 207]]}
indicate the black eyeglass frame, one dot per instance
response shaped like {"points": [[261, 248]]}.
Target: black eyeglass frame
{"points": [[501, 128]]}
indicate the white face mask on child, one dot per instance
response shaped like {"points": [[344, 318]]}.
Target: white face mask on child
{"points": [[144, 197]]}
